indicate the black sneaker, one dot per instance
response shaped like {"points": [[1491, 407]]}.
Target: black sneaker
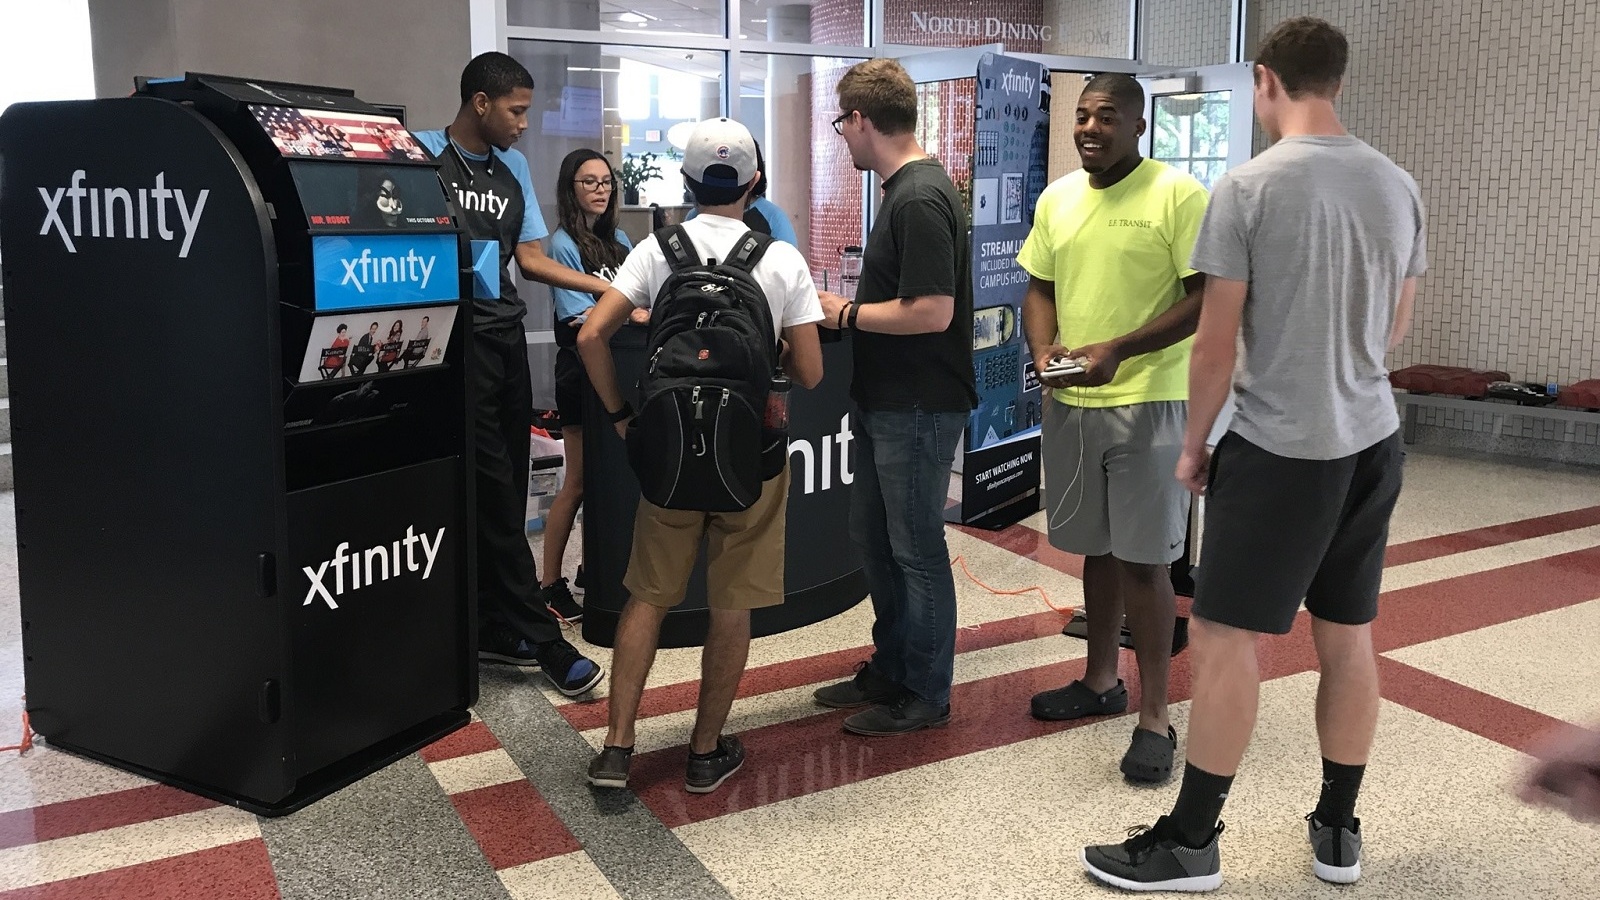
{"points": [[706, 775], [868, 688], [497, 643], [609, 769], [909, 713], [1336, 850], [558, 598], [1152, 859], [570, 671], [1077, 700]]}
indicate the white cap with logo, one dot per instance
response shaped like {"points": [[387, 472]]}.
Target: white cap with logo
{"points": [[720, 153]]}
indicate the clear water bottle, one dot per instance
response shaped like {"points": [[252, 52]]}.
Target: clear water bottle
{"points": [[849, 271], [776, 420]]}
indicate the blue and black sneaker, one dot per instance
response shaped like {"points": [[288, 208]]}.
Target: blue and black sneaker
{"points": [[497, 643], [570, 671]]}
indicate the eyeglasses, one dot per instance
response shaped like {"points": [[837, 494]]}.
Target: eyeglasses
{"points": [[838, 124], [595, 184]]}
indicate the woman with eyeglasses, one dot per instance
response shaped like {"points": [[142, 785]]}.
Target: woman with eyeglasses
{"points": [[590, 242]]}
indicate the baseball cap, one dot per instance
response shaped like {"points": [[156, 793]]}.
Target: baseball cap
{"points": [[720, 153]]}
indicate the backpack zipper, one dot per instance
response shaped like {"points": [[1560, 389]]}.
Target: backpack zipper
{"points": [[699, 407], [655, 358]]}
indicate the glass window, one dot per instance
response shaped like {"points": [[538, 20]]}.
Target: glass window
{"points": [[787, 102], [1191, 133], [674, 17], [1186, 32]]}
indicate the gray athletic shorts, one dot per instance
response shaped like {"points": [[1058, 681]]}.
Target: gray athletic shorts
{"points": [[1119, 494]]}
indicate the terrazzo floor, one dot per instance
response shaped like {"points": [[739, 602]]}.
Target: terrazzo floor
{"points": [[1490, 633]]}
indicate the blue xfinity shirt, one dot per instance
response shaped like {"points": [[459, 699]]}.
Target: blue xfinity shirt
{"points": [[564, 250]]}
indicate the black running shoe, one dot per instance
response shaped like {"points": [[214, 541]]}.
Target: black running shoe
{"points": [[1152, 859], [1336, 850], [570, 671], [558, 598]]}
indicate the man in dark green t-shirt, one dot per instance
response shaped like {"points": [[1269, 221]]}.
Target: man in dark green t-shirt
{"points": [[913, 382]]}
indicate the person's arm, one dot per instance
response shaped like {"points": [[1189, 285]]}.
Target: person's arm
{"points": [[1040, 329], [594, 346], [1216, 348], [536, 265], [802, 355], [1403, 312], [928, 314]]}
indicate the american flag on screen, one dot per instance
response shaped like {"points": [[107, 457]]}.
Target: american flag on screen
{"points": [[337, 135]]}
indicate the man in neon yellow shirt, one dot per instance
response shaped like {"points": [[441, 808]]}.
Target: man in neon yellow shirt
{"points": [[1112, 288]]}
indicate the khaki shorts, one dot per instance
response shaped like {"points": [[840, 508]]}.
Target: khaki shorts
{"points": [[744, 552]]}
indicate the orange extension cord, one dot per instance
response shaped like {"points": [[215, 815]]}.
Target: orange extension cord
{"points": [[27, 732], [962, 562]]}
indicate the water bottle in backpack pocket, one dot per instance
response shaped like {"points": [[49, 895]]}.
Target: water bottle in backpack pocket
{"points": [[699, 440]]}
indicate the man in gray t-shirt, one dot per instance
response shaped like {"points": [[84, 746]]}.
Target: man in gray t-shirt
{"points": [[1311, 253]]}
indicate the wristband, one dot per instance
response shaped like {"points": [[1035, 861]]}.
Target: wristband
{"points": [[623, 414], [854, 312], [843, 311]]}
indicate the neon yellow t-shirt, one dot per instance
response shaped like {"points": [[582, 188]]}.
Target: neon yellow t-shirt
{"points": [[1118, 258]]}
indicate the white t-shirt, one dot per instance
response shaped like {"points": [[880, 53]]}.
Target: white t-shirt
{"points": [[782, 273]]}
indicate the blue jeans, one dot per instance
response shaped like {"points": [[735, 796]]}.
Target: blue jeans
{"points": [[902, 480]]}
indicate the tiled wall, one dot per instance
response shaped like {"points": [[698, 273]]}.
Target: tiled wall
{"points": [[1493, 106], [1186, 32], [1087, 28]]}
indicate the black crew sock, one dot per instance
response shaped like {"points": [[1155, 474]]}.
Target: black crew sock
{"points": [[1340, 786], [1199, 805]]}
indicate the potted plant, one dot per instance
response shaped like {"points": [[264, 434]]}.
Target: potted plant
{"points": [[635, 171]]}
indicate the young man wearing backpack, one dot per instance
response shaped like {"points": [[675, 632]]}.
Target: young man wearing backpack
{"points": [[713, 349]]}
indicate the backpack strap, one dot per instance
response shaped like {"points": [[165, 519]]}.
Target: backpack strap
{"points": [[677, 248], [749, 250]]}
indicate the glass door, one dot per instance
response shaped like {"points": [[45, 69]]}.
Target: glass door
{"points": [[1201, 120]]}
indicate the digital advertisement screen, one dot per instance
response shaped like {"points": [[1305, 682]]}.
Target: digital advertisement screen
{"points": [[371, 197], [372, 270], [354, 345], [330, 134]]}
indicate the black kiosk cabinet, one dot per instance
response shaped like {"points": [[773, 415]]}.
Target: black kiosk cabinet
{"points": [[236, 333]]}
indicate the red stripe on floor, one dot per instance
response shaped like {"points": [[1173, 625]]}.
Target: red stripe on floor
{"points": [[674, 698], [801, 757], [474, 738], [241, 871], [1456, 704], [513, 825], [1466, 603], [97, 813], [1492, 536]]}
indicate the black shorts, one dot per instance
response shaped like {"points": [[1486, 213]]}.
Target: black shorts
{"points": [[1280, 530], [572, 383]]}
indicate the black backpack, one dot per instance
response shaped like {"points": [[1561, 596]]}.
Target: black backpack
{"points": [[698, 441]]}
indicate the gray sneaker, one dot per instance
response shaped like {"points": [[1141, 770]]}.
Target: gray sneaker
{"points": [[1153, 860], [868, 688], [610, 768], [1337, 850]]}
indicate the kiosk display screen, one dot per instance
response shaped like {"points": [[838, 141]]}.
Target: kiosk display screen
{"points": [[375, 270], [370, 197], [334, 134], [359, 344]]}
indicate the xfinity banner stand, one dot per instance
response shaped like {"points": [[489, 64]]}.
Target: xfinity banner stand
{"points": [[245, 542], [1000, 465]]}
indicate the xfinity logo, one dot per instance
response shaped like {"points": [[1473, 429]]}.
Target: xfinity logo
{"points": [[482, 201], [368, 269], [1017, 83], [363, 573], [104, 209]]}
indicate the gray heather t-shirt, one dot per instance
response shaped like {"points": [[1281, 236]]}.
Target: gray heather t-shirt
{"points": [[1325, 230]]}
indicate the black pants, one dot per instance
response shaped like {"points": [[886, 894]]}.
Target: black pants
{"points": [[503, 394]]}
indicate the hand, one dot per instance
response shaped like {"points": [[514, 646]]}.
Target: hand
{"points": [[1566, 775], [639, 316], [1100, 364], [622, 428], [832, 304], [1042, 360], [1194, 468]]}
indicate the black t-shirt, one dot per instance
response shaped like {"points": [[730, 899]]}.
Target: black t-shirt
{"points": [[918, 246], [490, 201]]}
